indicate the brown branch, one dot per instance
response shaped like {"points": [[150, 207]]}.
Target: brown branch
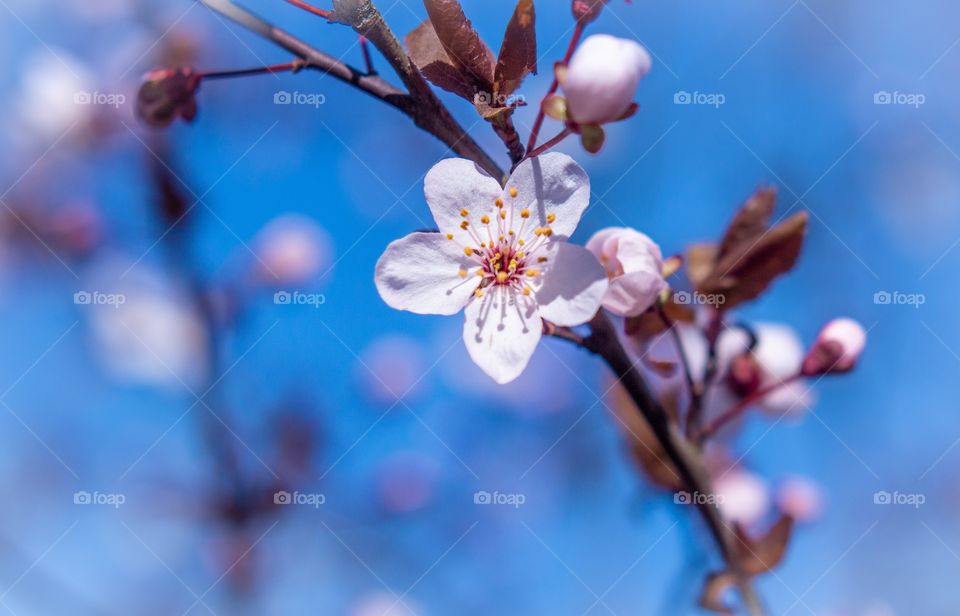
{"points": [[420, 104], [685, 457]]}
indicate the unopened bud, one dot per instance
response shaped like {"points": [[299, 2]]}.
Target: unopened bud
{"points": [[836, 349], [167, 94]]}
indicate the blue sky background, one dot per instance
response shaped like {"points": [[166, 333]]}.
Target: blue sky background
{"points": [[799, 80]]}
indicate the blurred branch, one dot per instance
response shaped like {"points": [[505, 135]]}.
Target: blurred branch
{"points": [[685, 456], [420, 104]]}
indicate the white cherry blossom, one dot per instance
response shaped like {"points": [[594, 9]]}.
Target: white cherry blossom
{"points": [[501, 256]]}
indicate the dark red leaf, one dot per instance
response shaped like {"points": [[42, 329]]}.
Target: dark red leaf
{"points": [[463, 45], [751, 254], [518, 52], [431, 58]]}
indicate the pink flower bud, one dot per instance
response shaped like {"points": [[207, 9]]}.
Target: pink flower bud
{"points": [[167, 94], [837, 348], [634, 267], [602, 78], [587, 10]]}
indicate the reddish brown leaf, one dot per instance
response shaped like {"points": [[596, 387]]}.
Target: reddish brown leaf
{"points": [[749, 223], [714, 588], [701, 261], [518, 52], [463, 45], [650, 323], [431, 58], [750, 256], [757, 556], [643, 445]]}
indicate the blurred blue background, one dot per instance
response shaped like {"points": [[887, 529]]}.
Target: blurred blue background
{"points": [[396, 428]]}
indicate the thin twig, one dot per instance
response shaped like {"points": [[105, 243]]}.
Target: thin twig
{"points": [[681, 351], [310, 9], [737, 409], [535, 132], [420, 104], [549, 143], [697, 400], [294, 66], [367, 59]]}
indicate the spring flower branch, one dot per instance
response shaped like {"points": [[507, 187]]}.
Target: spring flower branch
{"points": [[501, 253]]}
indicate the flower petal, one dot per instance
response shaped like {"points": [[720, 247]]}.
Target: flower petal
{"points": [[597, 244], [631, 294], [454, 184], [501, 331], [421, 273], [573, 284], [552, 184]]}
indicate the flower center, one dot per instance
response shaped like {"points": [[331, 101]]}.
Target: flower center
{"points": [[504, 243]]}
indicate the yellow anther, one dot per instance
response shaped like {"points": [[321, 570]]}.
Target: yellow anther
{"points": [[485, 220], [464, 225], [524, 213], [542, 260], [532, 273], [497, 267], [478, 292], [449, 236], [519, 255], [500, 238], [521, 242], [526, 290], [480, 272], [510, 232], [513, 264], [547, 231], [503, 214], [468, 251], [551, 217], [513, 192], [538, 231], [483, 244], [463, 273], [499, 202], [464, 212], [502, 277]]}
